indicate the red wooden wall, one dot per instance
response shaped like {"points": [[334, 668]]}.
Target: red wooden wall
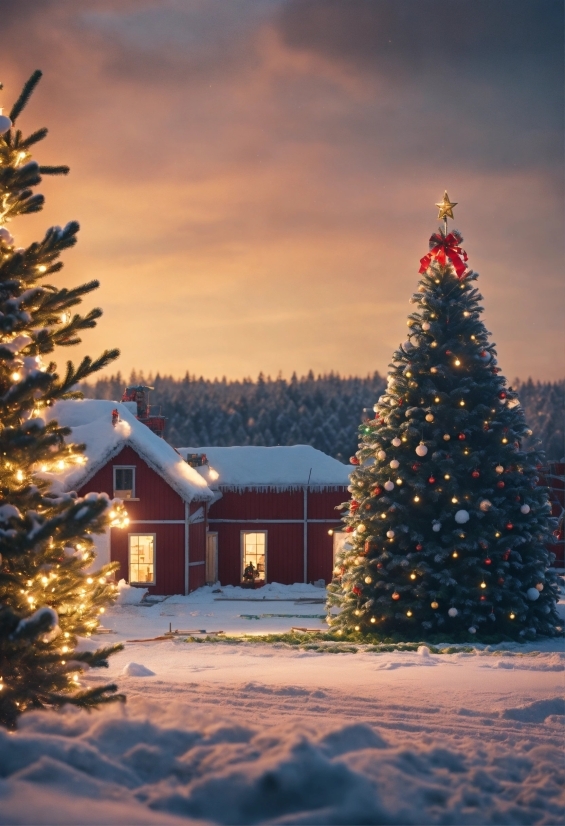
{"points": [[285, 539]]}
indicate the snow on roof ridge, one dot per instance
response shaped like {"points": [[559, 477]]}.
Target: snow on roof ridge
{"points": [[91, 424], [263, 469]]}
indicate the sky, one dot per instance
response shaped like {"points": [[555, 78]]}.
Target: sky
{"points": [[255, 179]]}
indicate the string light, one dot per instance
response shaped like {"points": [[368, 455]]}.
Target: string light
{"points": [[42, 268], [462, 403], [457, 362], [412, 575], [408, 613], [483, 585], [454, 554], [512, 616], [454, 500], [373, 619], [447, 476], [16, 376], [416, 499]]}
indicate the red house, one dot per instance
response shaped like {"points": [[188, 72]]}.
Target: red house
{"points": [[164, 546], [552, 475], [273, 517]]}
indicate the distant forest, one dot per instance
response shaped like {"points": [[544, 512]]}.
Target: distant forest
{"points": [[323, 411]]}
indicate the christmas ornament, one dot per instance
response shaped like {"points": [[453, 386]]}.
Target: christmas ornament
{"points": [[446, 207], [434, 605], [377, 491], [390, 534], [430, 417], [394, 464], [502, 395], [389, 485], [5, 236], [408, 345], [499, 469], [475, 474], [461, 437], [453, 612], [396, 595], [416, 466], [426, 326], [5, 123], [525, 509], [432, 480], [421, 450], [368, 580], [509, 526], [357, 590], [396, 442], [447, 437], [419, 547], [488, 560], [500, 484], [361, 528], [485, 505], [381, 455], [532, 594], [461, 517], [436, 526], [539, 586], [472, 630], [354, 460]]}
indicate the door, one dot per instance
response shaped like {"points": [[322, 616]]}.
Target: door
{"points": [[211, 558]]}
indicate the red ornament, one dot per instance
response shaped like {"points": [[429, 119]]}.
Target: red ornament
{"points": [[379, 564], [377, 491], [357, 590], [349, 529], [500, 484], [462, 437], [448, 352], [396, 595], [353, 505], [416, 466], [419, 547], [483, 353], [431, 480], [517, 499], [501, 581], [475, 474], [483, 598], [446, 248], [502, 395], [509, 526], [506, 555], [483, 544], [488, 560], [354, 460]]}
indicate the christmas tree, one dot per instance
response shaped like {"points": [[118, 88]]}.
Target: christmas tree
{"points": [[447, 525], [47, 598]]}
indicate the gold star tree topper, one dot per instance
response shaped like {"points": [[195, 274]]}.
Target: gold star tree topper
{"points": [[446, 207]]}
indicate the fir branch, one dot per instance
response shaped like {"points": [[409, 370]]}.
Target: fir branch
{"points": [[25, 95]]}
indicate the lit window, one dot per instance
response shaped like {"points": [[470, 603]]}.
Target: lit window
{"points": [[142, 558], [124, 482], [254, 555]]}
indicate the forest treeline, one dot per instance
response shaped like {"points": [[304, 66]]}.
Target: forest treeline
{"points": [[324, 411]]}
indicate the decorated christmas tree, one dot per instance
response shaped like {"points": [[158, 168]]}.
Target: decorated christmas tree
{"points": [[47, 598], [447, 524]]}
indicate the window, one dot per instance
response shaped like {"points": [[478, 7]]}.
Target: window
{"points": [[124, 482], [254, 555], [142, 558]]}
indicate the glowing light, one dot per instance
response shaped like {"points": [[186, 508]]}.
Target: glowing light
{"points": [[357, 628], [43, 468], [29, 583], [213, 474], [373, 619], [383, 515], [412, 576], [454, 554], [447, 476], [61, 465], [466, 314], [90, 580], [102, 580], [357, 612], [16, 376], [330, 532], [505, 441], [416, 499], [462, 403], [512, 616], [44, 580], [436, 399], [101, 610], [454, 499], [457, 362], [20, 476], [408, 613], [42, 268], [399, 481]]}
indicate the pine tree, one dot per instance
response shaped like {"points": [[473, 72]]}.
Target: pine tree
{"points": [[447, 524], [47, 599]]}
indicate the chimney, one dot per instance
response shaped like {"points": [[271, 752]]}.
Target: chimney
{"points": [[137, 397]]}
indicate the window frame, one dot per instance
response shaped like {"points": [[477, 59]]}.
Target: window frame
{"points": [[242, 535], [133, 469], [154, 580]]}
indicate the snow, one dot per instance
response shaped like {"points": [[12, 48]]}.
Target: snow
{"points": [[253, 733], [91, 424], [128, 594], [270, 468]]}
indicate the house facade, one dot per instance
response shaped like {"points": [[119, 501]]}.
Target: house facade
{"points": [[163, 548], [274, 512]]}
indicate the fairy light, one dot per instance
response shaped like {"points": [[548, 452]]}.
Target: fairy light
{"points": [[436, 399], [373, 619], [408, 613], [399, 481], [330, 532], [20, 476], [16, 376], [447, 476], [454, 499], [60, 464], [457, 362], [416, 499], [454, 554], [483, 585], [357, 628], [505, 441], [512, 616], [462, 403], [412, 575], [42, 268], [383, 515]]}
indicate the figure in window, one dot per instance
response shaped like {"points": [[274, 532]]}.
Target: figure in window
{"points": [[250, 573]]}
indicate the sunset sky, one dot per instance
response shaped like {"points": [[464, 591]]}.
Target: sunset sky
{"points": [[255, 179]]}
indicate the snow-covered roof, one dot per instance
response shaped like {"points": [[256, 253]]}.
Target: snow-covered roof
{"points": [[270, 468], [91, 423]]}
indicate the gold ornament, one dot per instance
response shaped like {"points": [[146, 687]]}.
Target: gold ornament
{"points": [[446, 207]]}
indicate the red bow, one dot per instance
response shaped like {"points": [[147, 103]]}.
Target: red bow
{"points": [[443, 249]]}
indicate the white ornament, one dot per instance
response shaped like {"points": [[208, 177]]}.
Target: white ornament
{"points": [[461, 517], [394, 464], [453, 612], [525, 509], [381, 455], [436, 526], [426, 325], [408, 345], [533, 594], [368, 580], [499, 469], [389, 485], [421, 450], [361, 528], [390, 535], [485, 505], [539, 586], [5, 236], [472, 630], [396, 442], [5, 123]]}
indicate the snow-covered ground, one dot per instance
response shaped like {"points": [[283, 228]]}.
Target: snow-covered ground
{"points": [[253, 733]]}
